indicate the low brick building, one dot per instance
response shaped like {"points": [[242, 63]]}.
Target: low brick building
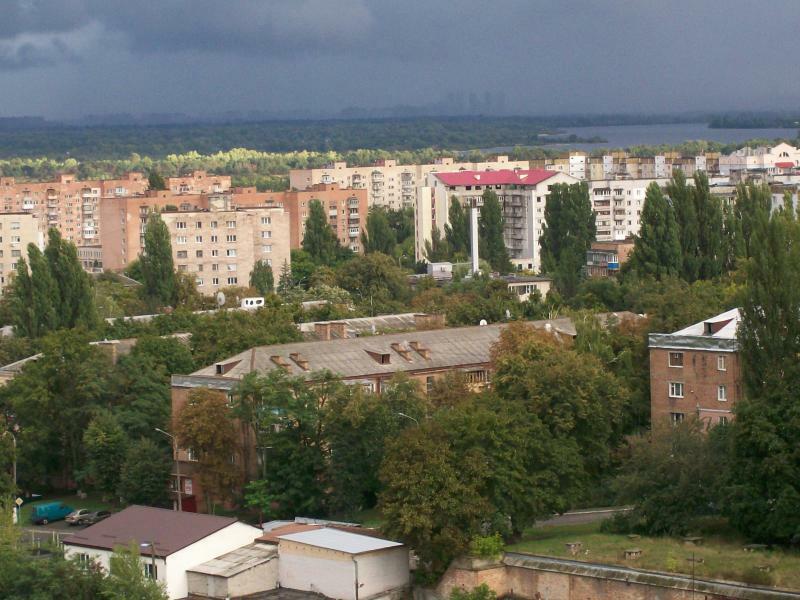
{"points": [[696, 371]]}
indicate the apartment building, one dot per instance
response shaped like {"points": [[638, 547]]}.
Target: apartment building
{"points": [[388, 184], [220, 246], [69, 205], [604, 259], [620, 165], [618, 205], [696, 371], [199, 182], [772, 160], [17, 230], [522, 194]]}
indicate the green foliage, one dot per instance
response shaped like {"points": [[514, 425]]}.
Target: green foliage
{"points": [[105, 444], [683, 203], [141, 397], [765, 479], [710, 245], [567, 234], [158, 270], [482, 592], [74, 300], [492, 245], [126, 579], [671, 476], [657, 250], [262, 278], [320, 241], [378, 236], [169, 352], [457, 230], [145, 474], [155, 181], [487, 546], [7, 458], [376, 282]]}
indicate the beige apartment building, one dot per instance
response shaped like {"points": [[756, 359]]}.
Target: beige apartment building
{"points": [[199, 182], [620, 165], [617, 204], [17, 230], [389, 184]]}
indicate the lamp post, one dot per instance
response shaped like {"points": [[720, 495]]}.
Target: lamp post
{"points": [[179, 489], [408, 417], [152, 546]]}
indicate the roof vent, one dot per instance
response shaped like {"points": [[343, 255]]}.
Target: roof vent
{"points": [[382, 358], [420, 349], [222, 368], [400, 348], [280, 361], [712, 327], [301, 360]]}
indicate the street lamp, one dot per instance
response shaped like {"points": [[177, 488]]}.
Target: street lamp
{"points": [[152, 546], [179, 489], [408, 417]]}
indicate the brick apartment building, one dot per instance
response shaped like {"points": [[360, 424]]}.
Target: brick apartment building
{"points": [[696, 371], [17, 230]]}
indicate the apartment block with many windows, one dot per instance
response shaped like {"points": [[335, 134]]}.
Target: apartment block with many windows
{"points": [[696, 372], [17, 230]]}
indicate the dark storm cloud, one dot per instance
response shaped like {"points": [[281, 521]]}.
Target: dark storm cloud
{"points": [[547, 56]]}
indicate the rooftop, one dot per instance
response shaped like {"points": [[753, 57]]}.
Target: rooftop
{"points": [[501, 177], [717, 333], [237, 561], [341, 541], [272, 535], [168, 530]]}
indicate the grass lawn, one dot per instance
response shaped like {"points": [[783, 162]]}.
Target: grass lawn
{"points": [[722, 558], [91, 502]]}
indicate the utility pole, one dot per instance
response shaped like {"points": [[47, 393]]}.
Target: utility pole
{"points": [[178, 489]]}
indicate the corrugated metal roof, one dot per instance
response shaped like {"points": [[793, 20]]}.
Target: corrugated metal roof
{"points": [[237, 561], [341, 541]]}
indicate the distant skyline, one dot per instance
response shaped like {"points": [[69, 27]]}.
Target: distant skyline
{"points": [[70, 58]]}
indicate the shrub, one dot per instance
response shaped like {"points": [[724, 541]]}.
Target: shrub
{"points": [[482, 592], [486, 546]]}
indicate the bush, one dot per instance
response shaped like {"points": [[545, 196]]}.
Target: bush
{"points": [[482, 592], [486, 546]]}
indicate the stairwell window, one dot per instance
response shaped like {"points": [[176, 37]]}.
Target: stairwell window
{"points": [[675, 389], [676, 418], [721, 366], [722, 393], [676, 359]]}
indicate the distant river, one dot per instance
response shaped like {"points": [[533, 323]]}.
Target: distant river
{"points": [[624, 136]]}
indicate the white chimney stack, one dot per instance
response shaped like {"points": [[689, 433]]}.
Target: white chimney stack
{"points": [[473, 230]]}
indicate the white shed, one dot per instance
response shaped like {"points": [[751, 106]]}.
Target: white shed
{"points": [[172, 541], [245, 571], [343, 565]]}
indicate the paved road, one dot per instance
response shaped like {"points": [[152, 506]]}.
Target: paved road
{"points": [[587, 515], [47, 534]]}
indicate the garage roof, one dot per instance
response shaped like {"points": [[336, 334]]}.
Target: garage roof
{"points": [[341, 541]]}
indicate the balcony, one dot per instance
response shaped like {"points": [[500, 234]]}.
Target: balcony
{"points": [[88, 207]]}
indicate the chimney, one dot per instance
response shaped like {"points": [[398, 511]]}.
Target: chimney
{"points": [[323, 331], [424, 321], [473, 237], [339, 329]]}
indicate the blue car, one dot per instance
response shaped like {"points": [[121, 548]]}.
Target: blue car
{"points": [[42, 514]]}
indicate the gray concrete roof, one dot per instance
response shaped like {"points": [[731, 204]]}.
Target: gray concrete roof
{"points": [[361, 325], [237, 561]]}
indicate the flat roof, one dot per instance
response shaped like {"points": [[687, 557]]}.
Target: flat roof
{"points": [[500, 177], [340, 541], [237, 561]]}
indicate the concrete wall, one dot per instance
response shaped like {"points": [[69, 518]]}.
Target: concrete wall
{"points": [[379, 572], [540, 578], [318, 570], [260, 578]]}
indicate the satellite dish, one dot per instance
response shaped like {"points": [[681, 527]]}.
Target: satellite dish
{"points": [[508, 314], [220, 299], [483, 323]]}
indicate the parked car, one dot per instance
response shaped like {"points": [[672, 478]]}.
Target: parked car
{"points": [[42, 514], [94, 517], [74, 518]]}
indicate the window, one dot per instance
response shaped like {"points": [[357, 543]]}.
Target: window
{"points": [[215, 267], [233, 280], [232, 267], [230, 224], [150, 570], [180, 224], [675, 389], [230, 252], [266, 220], [198, 239], [215, 281], [213, 224], [723, 420], [429, 383], [183, 268], [182, 254], [198, 281], [230, 238], [83, 559], [722, 393], [215, 253], [181, 239], [676, 418], [721, 364], [476, 376], [214, 239], [676, 359], [265, 235], [198, 254], [266, 248], [199, 224]]}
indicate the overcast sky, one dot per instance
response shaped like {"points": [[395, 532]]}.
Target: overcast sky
{"points": [[66, 58]]}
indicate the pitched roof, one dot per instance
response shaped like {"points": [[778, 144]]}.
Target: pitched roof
{"points": [[723, 326], [237, 561], [341, 541], [168, 530], [501, 177], [717, 333], [272, 536], [784, 164]]}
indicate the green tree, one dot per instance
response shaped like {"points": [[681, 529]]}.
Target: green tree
{"points": [[141, 395], [684, 205], [734, 245], [169, 352], [710, 247], [204, 426], [126, 578], [158, 270], [457, 230], [765, 469], [752, 208], [567, 234], [262, 278], [74, 299], [104, 443], [657, 249], [320, 240], [145, 474], [376, 282], [44, 292], [155, 181], [7, 459], [26, 322], [437, 249], [378, 235], [492, 245]]}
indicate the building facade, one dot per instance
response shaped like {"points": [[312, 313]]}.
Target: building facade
{"points": [[696, 372], [522, 195], [618, 204], [388, 184], [17, 230]]}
